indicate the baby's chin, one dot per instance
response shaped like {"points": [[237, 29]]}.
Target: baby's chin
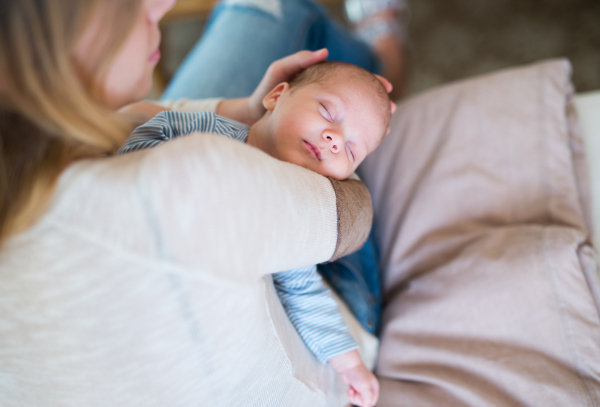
{"points": [[326, 173], [310, 165], [339, 177]]}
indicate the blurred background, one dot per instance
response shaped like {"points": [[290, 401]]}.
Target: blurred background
{"points": [[449, 39]]}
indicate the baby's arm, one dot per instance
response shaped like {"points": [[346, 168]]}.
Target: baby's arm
{"points": [[165, 126], [313, 312], [316, 316], [168, 125]]}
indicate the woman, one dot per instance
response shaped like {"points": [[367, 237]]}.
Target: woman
{"points": [[119, 271]]}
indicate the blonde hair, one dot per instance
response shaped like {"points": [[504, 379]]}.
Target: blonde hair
{"points": [[52, 111]]}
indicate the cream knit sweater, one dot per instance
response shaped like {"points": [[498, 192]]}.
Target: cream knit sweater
{"points": [[146, 283]]}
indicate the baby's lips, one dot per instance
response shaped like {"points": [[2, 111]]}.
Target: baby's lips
{"points": [[313, 149]]}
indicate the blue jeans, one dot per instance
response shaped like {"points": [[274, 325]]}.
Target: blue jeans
{"points": [[229, 61]]}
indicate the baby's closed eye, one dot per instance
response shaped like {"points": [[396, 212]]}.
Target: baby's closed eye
{"points": [[350, 152], [326, 114]]}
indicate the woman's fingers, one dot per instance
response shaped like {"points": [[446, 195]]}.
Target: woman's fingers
{"points": [[388, 87], [282, 70], [286, 68], [313, 58], [386, 84]]}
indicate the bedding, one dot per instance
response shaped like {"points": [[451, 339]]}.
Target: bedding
{"points": [[482, 204]]}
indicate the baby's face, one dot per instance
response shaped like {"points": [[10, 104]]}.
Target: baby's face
{"points": [[328, 128]]}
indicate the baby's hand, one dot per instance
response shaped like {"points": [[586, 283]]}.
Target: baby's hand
{"points": [[364, 387]]}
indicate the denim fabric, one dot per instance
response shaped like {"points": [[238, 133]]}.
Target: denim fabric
{"points": [[357, 279], [239, 43]]}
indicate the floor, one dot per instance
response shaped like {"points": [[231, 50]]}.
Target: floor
{"points": [[455, 39]]}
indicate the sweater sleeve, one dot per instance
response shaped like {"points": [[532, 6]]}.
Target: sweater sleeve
{"points": [[220, 206]]}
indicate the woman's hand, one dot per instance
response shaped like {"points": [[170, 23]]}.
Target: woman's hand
{"points": [[249, 110], [283, 70]]}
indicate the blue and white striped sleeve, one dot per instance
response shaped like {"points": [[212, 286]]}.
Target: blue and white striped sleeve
{"points": [[313, 312], [168, 125]]}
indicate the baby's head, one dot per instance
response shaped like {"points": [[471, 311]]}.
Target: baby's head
{"points": [[328, 119]]}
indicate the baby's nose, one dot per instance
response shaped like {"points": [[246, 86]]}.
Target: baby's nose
{"points": [[333, 140]]}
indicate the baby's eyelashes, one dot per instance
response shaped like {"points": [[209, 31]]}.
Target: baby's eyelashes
{"points": [[326, 114], [350, 152]]}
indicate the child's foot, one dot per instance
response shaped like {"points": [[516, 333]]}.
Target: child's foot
{"points": [[381, 24]]}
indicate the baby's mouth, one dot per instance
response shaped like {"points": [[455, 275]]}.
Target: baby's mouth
{"points": [[313, 149]]}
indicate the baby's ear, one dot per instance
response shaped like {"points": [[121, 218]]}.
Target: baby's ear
{"points": [[273, 96]]}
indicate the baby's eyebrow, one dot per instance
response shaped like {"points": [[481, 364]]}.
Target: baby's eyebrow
{"points": [[338, 104]]}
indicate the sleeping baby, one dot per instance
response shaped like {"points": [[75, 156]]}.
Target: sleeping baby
{"points": [[328, 119]]}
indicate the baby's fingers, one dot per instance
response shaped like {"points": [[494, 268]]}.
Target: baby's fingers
{"points": [[354, 397], [368, 399], [365, 398], [375, 384]]}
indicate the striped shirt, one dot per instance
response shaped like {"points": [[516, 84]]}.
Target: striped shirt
{"points": [[307, 302]]}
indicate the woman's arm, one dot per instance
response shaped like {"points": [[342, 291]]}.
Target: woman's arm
{"points": [[142, 112], [245, 110], [220, 206]]}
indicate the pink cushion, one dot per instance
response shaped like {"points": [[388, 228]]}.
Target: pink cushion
{"points": [[481, 199]]}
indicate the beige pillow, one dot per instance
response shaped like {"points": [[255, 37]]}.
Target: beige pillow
{"points": [[482, 205]]}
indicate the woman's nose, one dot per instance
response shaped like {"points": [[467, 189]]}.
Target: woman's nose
{"points": [[333, 140], [158, 8]]}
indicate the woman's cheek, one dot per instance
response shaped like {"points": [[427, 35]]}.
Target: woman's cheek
{"points": [[129, 78], [127, 85]]}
